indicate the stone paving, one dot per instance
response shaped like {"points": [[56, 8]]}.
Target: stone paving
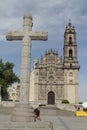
{"points": [[62, 121], [67, 123]]}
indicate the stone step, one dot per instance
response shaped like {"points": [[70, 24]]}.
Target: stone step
{"points": [[49, 110], [42, 125]]}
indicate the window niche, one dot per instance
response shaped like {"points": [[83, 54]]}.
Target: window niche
{"points": [[70, 54], [70, 40], [70, 81], [71, 74]]}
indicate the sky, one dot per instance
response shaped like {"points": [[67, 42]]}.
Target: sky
{"points": [[51, 16]]}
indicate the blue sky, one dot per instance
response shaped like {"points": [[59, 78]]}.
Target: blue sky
{"points": [[51, 16]]}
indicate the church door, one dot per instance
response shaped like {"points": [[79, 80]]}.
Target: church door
{"points": [[51, 97]]}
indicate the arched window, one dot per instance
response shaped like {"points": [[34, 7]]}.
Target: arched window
{"points": [[70, 40], [70, 54]]}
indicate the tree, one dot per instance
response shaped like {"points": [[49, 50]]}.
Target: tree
{"points": [[7, 77]]}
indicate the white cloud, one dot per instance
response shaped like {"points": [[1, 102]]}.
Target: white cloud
{"points": [[10, 24], [6, 8]]}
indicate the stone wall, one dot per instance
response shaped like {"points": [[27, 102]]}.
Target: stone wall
{"points": [[69, 107], [7, 103]]}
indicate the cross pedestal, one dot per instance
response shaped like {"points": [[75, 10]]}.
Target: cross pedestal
{"points": [[23, 111]]}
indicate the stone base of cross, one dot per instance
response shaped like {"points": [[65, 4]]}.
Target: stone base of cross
{"points": [[23, 111]]}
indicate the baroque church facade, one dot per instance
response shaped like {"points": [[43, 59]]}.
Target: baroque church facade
{"points": [[54, 78]]}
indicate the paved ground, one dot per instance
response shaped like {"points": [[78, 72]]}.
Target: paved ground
{"points": [[63, 121], [67, 123]]}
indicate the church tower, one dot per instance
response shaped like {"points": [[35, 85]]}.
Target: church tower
{"points": [[70, 64]]}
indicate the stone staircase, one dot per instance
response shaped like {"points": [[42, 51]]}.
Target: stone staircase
{"points": [[48, 110]]}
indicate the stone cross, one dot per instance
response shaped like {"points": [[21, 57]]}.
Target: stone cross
{"points": [[27, 35]]}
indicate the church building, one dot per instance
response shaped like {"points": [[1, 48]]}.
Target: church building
{"points": [[54, 78]]}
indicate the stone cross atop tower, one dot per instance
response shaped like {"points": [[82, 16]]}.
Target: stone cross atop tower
{"points": [[27, 35]]}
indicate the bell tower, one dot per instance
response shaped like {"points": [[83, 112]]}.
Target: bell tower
{"points": [[70, 64]]}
